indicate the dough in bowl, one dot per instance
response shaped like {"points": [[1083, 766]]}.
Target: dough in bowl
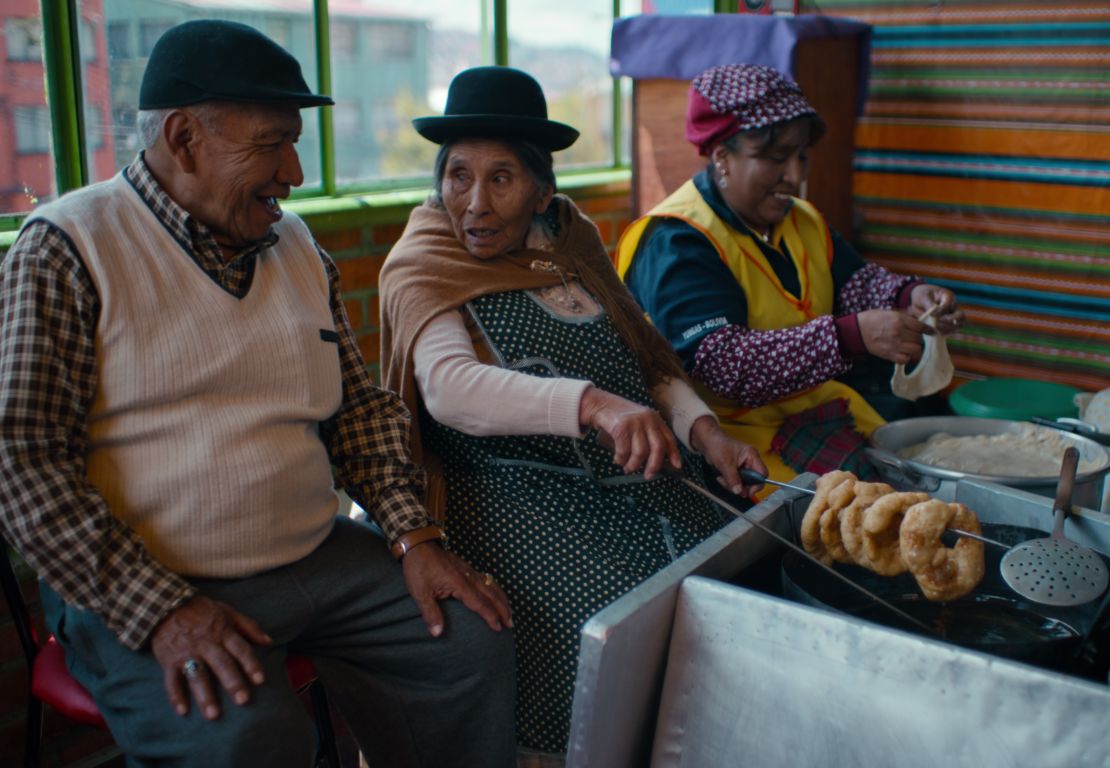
{"points": [[1029, 451]]}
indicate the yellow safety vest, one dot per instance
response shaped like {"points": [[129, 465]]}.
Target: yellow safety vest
{"points": [[770, 307]]}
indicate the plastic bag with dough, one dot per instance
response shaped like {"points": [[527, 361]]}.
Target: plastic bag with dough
{"points": [[932, 373]]}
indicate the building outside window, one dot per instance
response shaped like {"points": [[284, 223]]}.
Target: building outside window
{"points": [[343, 40], [101, 156], [390, 61], [87, 40], [32, 129], [119, 40], [23, 37], [94, 127], [395, 76], [565, 46], [26, 159]]}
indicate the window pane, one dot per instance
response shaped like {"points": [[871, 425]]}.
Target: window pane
{"points": [[87, 41], [32, 129], [23, 36], [391, 61], [677, 6], [119, 40], [95, 127], [628, 8], [565, 45], [101, 157], [26, 163], [124, 31]]}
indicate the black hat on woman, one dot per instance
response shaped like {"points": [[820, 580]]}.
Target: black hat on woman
{"points": [[496, 103]]}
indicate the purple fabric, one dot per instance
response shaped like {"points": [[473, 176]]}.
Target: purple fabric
{"points": [[850, 337], [759, 367], [682, 47], [730, 98], [872, 287]]}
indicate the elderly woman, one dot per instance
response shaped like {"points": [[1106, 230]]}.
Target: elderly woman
{"points": [[539, 386], [762, 301]]}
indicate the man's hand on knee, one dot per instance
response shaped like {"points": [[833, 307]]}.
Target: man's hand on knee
{"points": [[433, 574], [201, 639]]}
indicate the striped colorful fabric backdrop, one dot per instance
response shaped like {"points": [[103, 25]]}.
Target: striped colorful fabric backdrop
{"points": [[983, 164]]}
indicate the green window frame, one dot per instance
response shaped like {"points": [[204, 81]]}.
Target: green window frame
{"points": [[61, 55]]}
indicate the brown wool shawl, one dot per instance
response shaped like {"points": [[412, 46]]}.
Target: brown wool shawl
{"points": [[429, 272]]}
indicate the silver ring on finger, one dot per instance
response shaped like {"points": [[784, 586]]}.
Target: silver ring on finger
{"points": [[191, 669]]}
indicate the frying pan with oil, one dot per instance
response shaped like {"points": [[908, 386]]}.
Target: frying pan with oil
{"points": [[991, 619]]}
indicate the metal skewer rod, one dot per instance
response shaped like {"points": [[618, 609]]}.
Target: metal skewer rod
{"points": [[751, 476], [977, 537], [750, 521], [754, 478]]}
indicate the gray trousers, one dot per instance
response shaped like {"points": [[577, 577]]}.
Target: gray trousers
{"points": [[410, 699]]}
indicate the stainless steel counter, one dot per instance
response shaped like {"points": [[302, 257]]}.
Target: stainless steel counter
{"points": [[751, 679], [758, 681], [624, 646]]}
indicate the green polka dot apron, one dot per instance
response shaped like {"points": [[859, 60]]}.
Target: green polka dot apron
{"points": [[559, 526]]}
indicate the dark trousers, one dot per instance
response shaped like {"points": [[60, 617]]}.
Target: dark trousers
{"points": [[410, 699]]}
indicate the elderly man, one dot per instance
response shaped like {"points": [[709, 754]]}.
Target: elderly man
{"points": [[178, 383]]}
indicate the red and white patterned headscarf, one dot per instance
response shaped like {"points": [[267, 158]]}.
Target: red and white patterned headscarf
{"points": [[731, 98]]}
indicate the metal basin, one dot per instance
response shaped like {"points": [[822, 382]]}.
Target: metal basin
{"points": [[749, 672], [889, 439], [752, 680]]}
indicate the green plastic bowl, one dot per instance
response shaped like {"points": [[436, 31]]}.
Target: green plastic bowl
{"points": [[1017, 399]]}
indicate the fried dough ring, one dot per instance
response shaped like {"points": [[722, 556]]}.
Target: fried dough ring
{"points": [[880, 531], [829, 523], [811, 528], [851, 518], [943, 573]]}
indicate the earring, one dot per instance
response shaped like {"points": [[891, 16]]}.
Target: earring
{"points": [[722, 177]]}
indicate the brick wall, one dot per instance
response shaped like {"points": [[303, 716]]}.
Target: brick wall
{"points": [[359, 244]]}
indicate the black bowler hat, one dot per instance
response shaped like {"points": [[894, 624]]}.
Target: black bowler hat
{"points": [[213, 60], [496, 103]]}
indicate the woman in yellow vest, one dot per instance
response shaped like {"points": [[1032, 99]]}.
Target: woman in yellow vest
{"points": [[763, 302]]}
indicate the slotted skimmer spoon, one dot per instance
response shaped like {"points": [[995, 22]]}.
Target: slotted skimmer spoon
{"points": [[1056, 570]]}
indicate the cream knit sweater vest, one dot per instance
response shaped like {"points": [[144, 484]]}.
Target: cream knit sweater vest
{"points": [[203, 431]]}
